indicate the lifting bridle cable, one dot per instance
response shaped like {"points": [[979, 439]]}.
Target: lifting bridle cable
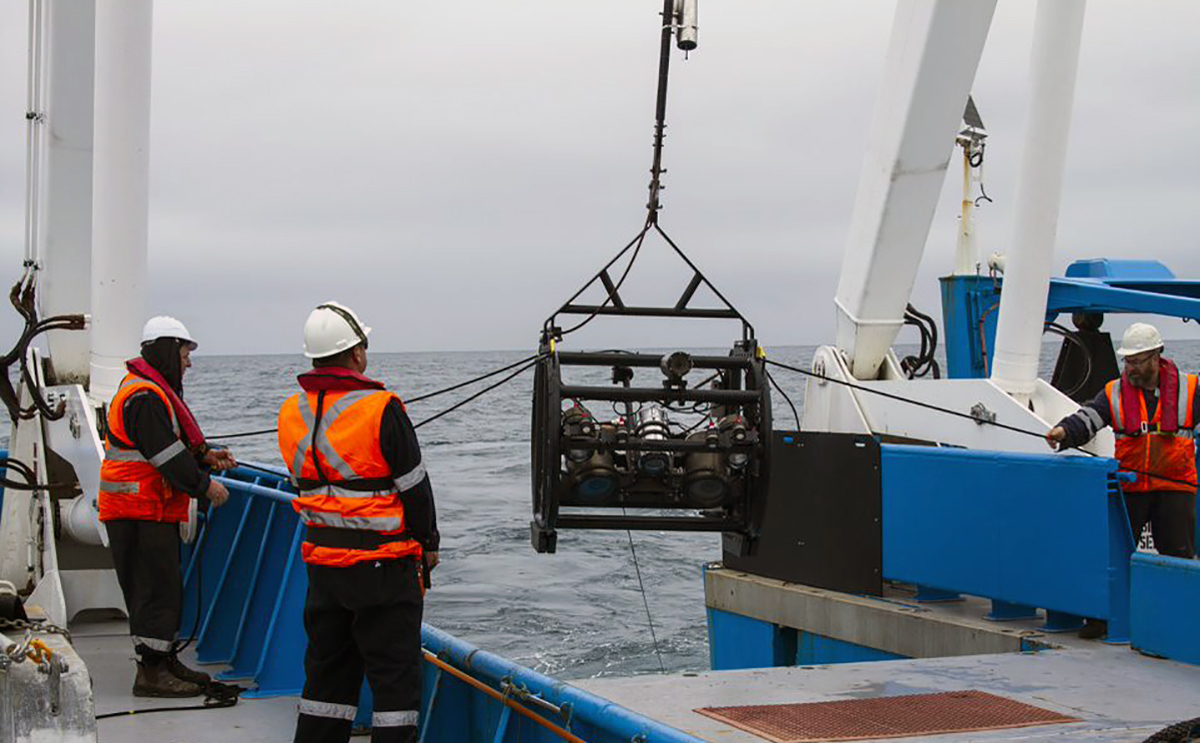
{"points": [[958, 414], [526, 363]]}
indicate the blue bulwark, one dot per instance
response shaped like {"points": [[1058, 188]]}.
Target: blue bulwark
{"points": [[738, 642], [1165, 606], [1039, 530]]}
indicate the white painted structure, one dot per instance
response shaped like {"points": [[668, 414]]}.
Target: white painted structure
{"points": [[934, 50], [931, 60], [1056, 39], [63, 201], [121, 188]]}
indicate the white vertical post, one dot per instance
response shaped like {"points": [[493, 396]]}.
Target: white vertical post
{"points": [[120, 188], [66, 213], [1058, 29], [966, 257], [931, 60]]}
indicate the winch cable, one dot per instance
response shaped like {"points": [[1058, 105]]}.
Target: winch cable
{"points": [[968, 416], [645, 602], [489, 388], [779, 389], [653, 205], [530, 360]]}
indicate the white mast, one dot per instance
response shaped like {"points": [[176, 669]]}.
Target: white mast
{"points": [[120, 188], [65, 230], [1057, 31]]}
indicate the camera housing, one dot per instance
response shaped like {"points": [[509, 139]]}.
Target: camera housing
{"points": [[692, 453]]}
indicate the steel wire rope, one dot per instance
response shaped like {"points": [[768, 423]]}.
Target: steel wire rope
{"points": [[645, 602], [529, 359], [968, 416], [636, 244]]}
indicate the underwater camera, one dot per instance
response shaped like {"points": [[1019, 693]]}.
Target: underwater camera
{"points": [[687, 446]]}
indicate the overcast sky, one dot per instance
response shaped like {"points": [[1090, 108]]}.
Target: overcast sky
{"points": [[454, 171]]}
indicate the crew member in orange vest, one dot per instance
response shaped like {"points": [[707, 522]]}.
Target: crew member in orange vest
{"points": [[1153, 409], [155, 461], [371, 536]]}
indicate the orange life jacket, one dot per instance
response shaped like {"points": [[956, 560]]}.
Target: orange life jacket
{"points": [[1150, 449], [130, 485], [346, 482]]}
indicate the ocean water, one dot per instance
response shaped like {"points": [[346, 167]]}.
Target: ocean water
{"points": [[578, 613]]}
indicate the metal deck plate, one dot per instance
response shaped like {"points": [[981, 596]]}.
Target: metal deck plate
{"points": [[884, 717]]}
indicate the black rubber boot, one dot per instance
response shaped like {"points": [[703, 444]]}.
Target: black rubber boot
{"points": [[182, 672], [1093, 629], [154, 679]]}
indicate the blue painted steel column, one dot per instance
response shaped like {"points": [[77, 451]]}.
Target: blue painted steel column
{"points": [[970, 307], [736, 641]]}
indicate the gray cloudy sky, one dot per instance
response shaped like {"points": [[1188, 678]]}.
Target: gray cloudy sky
{"points": [[454, 171]]}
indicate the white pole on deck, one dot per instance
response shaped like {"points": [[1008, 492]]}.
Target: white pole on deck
{"points": [[120, 188], [65, 286], [931, 60], [1054, 61]]}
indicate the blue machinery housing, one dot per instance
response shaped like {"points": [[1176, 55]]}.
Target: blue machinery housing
{"points": [[250, 582]]}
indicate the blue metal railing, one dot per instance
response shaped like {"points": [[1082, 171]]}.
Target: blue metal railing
{"points": [[244, 588]]}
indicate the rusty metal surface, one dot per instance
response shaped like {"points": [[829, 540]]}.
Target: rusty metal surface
{"points": [[884, 717]]}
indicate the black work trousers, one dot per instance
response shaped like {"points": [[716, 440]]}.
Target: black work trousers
{"points": [[146, 557], [1172, 519], [363, 617]]}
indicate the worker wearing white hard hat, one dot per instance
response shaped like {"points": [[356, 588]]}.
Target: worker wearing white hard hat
{"points": [[371, 538], [155, 461], [1153, 410]]}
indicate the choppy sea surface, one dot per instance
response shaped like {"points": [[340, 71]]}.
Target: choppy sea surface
{"points": [[578, 613]]}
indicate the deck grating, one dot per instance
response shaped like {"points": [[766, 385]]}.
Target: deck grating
{"points": [[884, 717]]}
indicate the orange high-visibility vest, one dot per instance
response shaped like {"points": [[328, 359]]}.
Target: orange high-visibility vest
{"points": [[1152, 450], [130, 485], [344, 480]]}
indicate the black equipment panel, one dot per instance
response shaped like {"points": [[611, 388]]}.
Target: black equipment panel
{"points": [[822, 524]]}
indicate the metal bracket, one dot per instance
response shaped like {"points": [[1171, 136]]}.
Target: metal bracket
{"points": [[982, 415]]}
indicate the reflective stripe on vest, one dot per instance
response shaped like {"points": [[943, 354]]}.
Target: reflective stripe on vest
{"points": [[328, 418], [131, 486], [1162, 461], [330, 459]]}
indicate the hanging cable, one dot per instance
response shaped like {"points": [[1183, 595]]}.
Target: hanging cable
{"points": [[527, 360], [924, 362], [645, 602], [785, 397], [489, 388], [1073, 337]]}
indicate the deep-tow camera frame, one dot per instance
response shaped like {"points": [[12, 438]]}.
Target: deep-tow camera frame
{"points": [[713, 477]]}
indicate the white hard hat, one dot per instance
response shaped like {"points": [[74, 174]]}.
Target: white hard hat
{"points": [[1139, 338], [166, 327], [332, 328]]}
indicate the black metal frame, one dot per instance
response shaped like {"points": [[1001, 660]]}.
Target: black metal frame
{"points": [[743, 389]]}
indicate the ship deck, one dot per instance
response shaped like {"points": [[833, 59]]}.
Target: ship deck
{"points": [[1117, 693]]}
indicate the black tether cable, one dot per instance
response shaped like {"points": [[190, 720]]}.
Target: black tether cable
{"points": [[968, 416], [785, 397], [489, 388], [480, 378], [527, 360]]}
